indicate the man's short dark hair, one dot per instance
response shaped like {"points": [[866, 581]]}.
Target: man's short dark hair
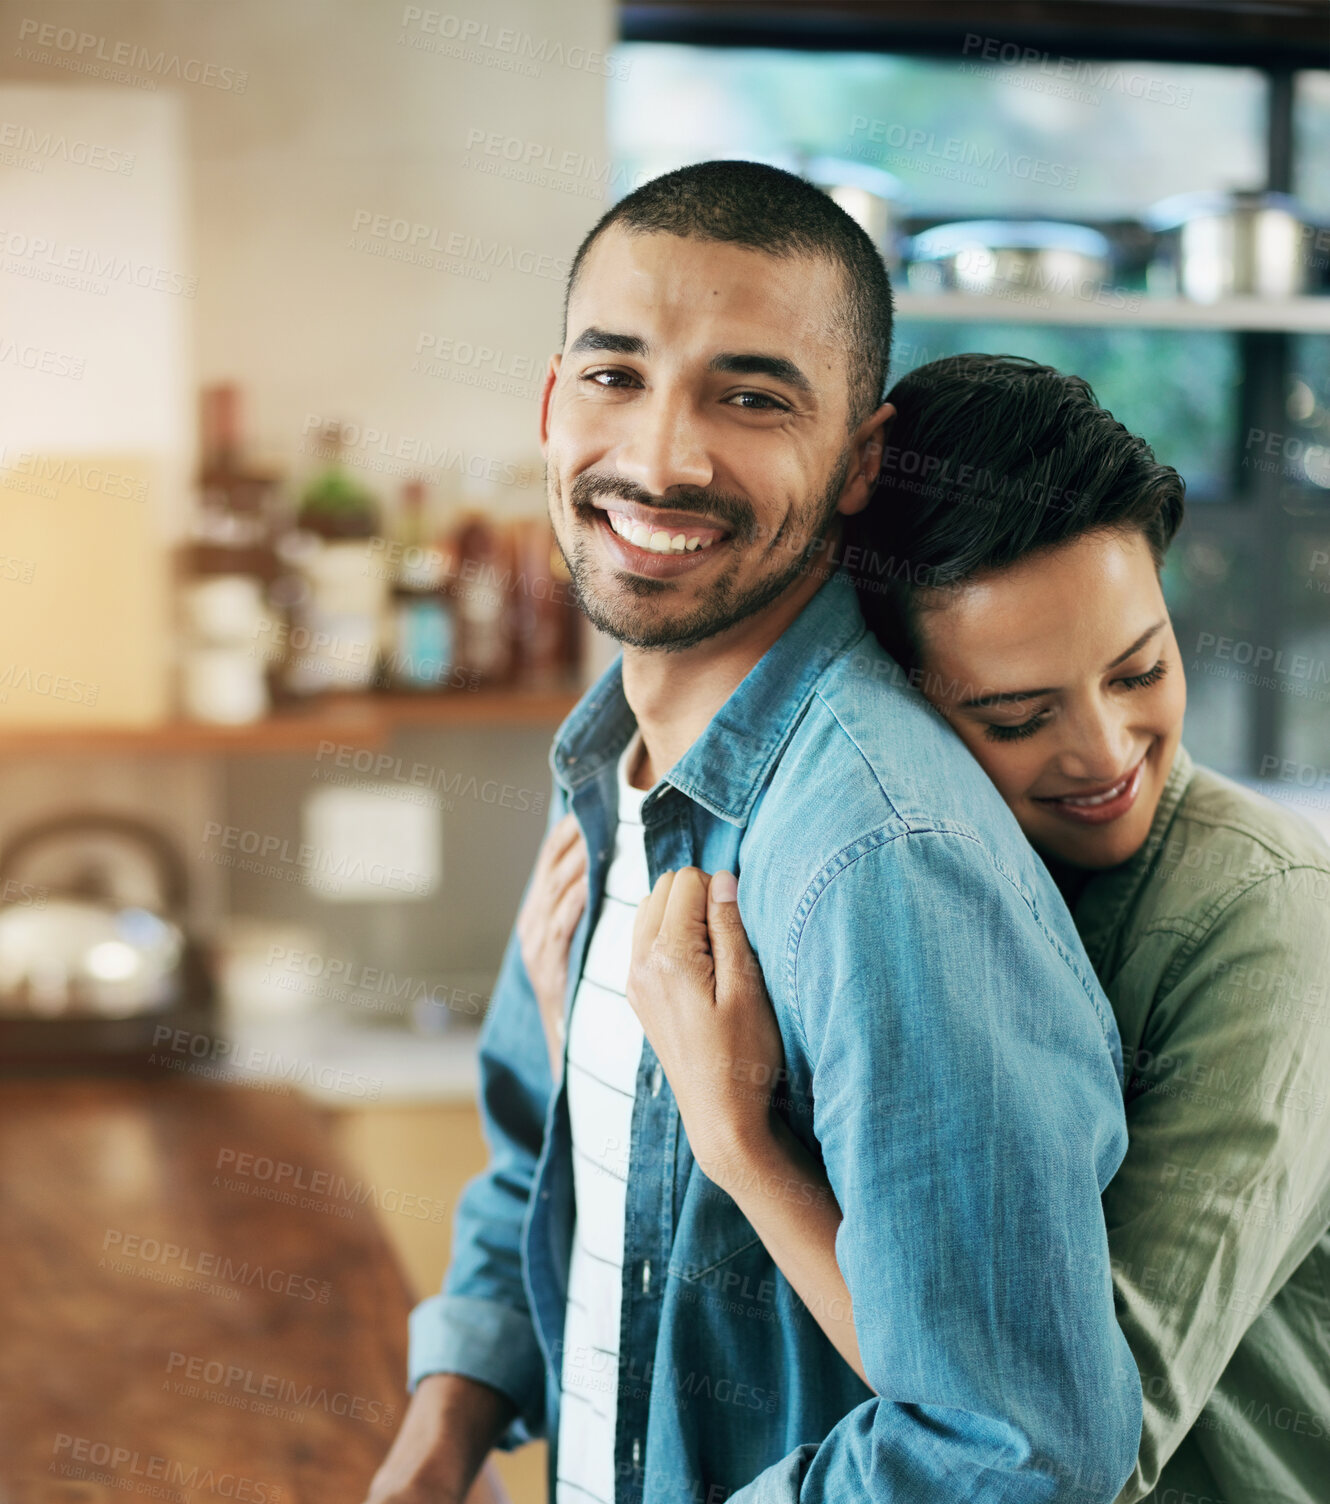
{"points": [[750, 204], [989, 459]]}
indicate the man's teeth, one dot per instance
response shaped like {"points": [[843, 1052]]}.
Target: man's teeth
{"points": [[658, 542]]}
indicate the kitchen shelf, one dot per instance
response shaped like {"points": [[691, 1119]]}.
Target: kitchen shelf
{"points": [[1297, 315], [367, 720]]}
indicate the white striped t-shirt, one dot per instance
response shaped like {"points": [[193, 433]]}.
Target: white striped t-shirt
{"points": [[604, 1049]]}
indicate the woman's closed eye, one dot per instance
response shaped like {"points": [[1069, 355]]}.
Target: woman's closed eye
{"points": [[1145, 680], [996, 732]]}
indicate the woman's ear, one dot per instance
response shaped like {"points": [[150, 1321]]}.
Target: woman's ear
{"points": [[867, 446]]}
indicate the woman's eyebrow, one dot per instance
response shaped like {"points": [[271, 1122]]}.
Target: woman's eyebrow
{"points": [[1006, 698], [1139, 643]]}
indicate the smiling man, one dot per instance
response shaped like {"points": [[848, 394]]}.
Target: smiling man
{"points": [[715, 412]]}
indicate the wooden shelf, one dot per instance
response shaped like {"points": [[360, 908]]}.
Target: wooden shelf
{"points": [[362, 720], [1298, 315]]}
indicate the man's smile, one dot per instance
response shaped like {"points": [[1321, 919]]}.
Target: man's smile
{"points": [[653, 541]]}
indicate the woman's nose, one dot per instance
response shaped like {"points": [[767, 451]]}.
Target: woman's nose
{"points": [[1100, 746]]}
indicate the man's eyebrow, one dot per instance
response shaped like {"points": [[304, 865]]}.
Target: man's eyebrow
{"points": [[775, 366], [611, 344], [1009, 697]]}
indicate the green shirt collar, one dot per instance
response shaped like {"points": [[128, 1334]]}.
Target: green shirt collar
{"points": [[1108, 895]]}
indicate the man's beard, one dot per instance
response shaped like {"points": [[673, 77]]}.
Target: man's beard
{"points": [[727, 602]]}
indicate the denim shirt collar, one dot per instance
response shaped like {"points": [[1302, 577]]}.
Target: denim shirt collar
{"points": [[726, 767]]}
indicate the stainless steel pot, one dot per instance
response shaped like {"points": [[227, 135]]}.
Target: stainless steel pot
{"points": [[871, 196], [993, 257], [1211, 246]]}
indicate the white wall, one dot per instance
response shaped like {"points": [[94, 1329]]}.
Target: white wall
{"points": [[295, 116]]}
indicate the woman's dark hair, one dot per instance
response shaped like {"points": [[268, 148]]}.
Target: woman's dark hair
{"points": [[989, 459]]}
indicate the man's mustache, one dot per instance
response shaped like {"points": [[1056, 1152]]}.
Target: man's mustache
{"points": [[732, 512]]}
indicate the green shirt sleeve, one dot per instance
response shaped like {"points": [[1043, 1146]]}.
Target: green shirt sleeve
{"points": [[1226, 1183]]}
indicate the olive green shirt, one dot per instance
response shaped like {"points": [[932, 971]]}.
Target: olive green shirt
{"points": [[1213, 945]]}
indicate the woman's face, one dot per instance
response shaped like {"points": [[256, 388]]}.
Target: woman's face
{"points": [[1062, 676]]}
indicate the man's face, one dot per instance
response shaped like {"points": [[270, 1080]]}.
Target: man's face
{"points": [[695, 432]]}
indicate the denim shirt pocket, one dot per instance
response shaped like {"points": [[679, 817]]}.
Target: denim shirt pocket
{"points": [[711, 1229]]}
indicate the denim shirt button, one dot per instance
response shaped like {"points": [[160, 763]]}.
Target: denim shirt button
{"points": [[657, 1076], [637, 1452], [646, 1276]]}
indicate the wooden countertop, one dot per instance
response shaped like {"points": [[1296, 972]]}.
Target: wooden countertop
{"points": [[173, 1332]]}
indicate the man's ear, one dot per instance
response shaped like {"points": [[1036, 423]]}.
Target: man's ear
{"points": [[546, 394], [866, 447]]}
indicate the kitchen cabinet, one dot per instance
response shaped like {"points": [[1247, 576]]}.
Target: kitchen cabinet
{"points": [[418, 1157]]}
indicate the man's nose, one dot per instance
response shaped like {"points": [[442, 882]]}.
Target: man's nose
{"points": [[664, 446]]}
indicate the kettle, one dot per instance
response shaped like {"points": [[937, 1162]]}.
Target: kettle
{"points": [[98, 947]]}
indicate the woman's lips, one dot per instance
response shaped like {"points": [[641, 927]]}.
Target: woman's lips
{"points": [[1102, 805], [664, 560]]}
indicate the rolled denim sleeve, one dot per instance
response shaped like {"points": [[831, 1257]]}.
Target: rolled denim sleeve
{"points": [[967, 1104], [480, 1325]]}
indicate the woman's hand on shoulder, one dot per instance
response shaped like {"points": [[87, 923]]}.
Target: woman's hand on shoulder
{"points": [[698, 990], [545, 924]]}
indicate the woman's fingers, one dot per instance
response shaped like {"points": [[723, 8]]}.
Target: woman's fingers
{"points": [[570, 866], [737, 970], [562, 836], [566, 915], [683, 928], [650, 912]]}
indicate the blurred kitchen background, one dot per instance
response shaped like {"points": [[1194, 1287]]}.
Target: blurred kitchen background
{"points": [[284, 638]]}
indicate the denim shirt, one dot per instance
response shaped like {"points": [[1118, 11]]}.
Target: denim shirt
{"points": [[950, 1058]]}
